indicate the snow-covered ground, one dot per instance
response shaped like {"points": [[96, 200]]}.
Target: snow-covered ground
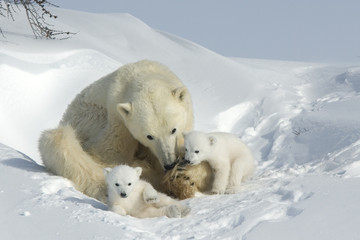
{"points": [[301, 119]]}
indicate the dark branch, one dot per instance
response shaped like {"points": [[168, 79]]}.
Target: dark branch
{"points": [[37, 15]]}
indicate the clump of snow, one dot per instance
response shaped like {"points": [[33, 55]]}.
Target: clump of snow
{"points": [[300, 119]]}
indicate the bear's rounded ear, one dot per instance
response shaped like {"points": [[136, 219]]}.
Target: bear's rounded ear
{"points": [[124, 109], [138, 171], [212, 140], [185, 133], [107, 171], [180, 93]]}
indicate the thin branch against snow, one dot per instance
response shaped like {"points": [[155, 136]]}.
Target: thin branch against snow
{"points": [[299, 131], [37, 15]]}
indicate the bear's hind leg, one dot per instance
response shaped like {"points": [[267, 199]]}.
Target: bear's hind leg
{"points": [[165, 200], [171, 211]]}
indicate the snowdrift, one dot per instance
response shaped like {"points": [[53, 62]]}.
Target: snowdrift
{"points": [[302, 120]]}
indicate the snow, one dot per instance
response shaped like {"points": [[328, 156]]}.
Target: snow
{"points": [[301, 119]]}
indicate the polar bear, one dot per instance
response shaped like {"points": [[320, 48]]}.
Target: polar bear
{"points": [[230, 159], [128, 195], [135, 116]]}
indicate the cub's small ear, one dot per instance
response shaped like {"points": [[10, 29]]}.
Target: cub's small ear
{"points": [[124, 109], [185, 133], [212, 140], [138, 171], [107, 171], [180, 93]]}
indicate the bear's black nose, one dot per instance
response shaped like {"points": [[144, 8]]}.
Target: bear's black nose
{"points": [[123, 195], [186, 161], [169, 167]]}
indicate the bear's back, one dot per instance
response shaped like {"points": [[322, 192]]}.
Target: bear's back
{"points": [[231, 143]]}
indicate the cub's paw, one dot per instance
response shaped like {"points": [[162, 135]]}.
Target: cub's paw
{"points": [[185, 210], [151, 200], [151, 195], [232, 190], [216, 191], [118, 209], [173, 211]]}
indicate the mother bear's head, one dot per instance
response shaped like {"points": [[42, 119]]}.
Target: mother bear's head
{"points": [[157, 118]]}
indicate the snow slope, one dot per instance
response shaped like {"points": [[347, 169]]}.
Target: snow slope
{"points": [[301, 120]]}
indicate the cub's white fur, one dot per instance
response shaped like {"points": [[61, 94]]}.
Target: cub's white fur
{"points": [[128, 195], [230, 159]]}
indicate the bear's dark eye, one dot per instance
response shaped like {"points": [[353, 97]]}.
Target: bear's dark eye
{"points": [[150, 137], [116, 184], [197, 151], [185, 149], [129, 184], [173, 131]]}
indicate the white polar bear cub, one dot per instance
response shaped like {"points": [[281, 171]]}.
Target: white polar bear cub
{"points": [[230, 159], [128, 195]]}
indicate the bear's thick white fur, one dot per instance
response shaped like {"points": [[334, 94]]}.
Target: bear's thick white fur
{"points": [[128, 195], [135, 116], [230, 159]]}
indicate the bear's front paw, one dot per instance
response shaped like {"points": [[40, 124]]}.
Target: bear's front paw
{"points": [[173, 211]]}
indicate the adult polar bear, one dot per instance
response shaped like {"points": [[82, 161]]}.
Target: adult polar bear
{"points": [[135, 116]]}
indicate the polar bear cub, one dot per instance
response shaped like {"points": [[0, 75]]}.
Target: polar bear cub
{"points": [[231, 160], [128, 195]]}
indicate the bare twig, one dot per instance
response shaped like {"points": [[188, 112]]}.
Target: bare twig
{"points": [[299, 131], [37, 14]]}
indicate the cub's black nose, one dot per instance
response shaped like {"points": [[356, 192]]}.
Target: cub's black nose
{"points": [[123, 195], [169, 167]]}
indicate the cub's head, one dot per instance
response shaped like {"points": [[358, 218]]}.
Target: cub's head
{"points": [[197, 146], [157, 120], [122, 179]]}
